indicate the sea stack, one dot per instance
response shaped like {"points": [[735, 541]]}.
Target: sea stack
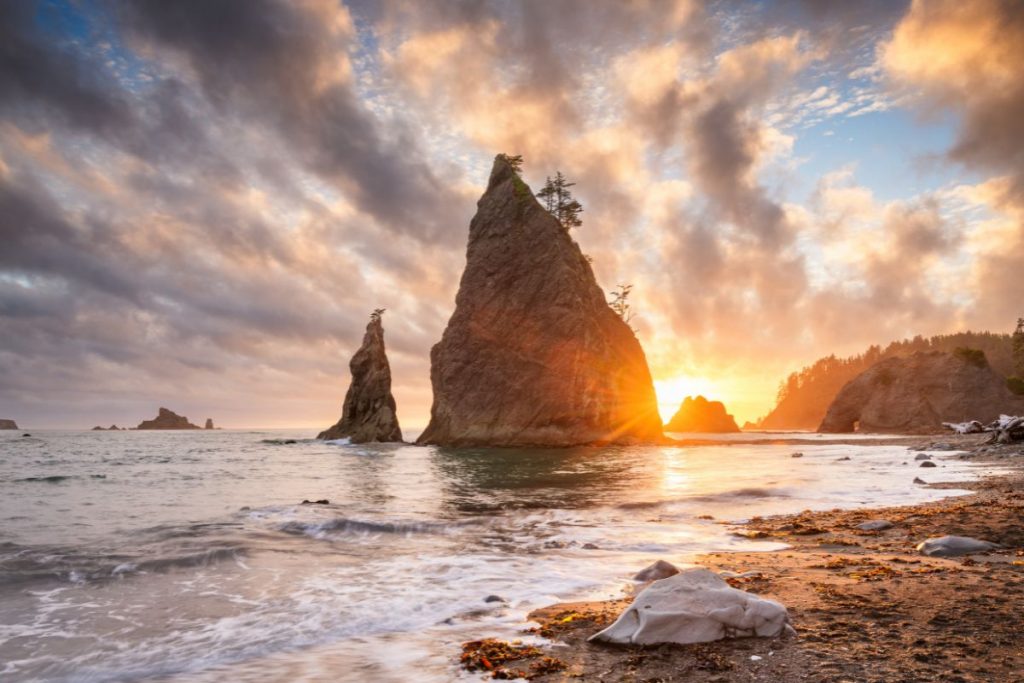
{"points": [[916, 394], [369, 410], [701, 415], [533, 355], [8, 424], [167, 419], [209, 423]]}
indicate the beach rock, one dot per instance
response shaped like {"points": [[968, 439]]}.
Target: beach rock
{"points": [[798, 454], [656, 571], [494, 598], [954, 546], [916, 394], [167, 419], [322, 501], [209, 423], [368, 413], [701, 415], [533, 354], [875, 525], [695, 606], [922, 456], [927, 463], [8, 424], [97, 428], [919, 480], [591, 546]]}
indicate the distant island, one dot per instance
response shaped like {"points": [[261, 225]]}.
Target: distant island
{"points": [[701, 415], [8, 424], [167, 419], [805, 396], [111, 428]]}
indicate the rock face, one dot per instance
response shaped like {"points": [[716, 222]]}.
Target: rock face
{"points": [[701, 415], [167, 419], [916, 394], [533, 355], [209, 423], [369, 410], [695, 606], [8, 424]]}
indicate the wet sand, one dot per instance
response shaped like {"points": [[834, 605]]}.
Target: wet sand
{"points": [[866, 606]]}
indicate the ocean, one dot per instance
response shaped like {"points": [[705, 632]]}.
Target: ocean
{"points": [[189, 556]]}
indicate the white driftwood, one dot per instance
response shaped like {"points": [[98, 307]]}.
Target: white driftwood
{"points": [[695, 606], [1006, 429]]}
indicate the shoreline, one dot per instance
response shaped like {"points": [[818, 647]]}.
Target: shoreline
{"points": [[866, 606]]}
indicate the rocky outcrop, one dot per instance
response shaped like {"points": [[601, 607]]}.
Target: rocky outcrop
{"points": [[167, 419], [368, 413], [111, 428], [916, 394], [209, 423], [8, 424], [533, 355], [701, 415]]}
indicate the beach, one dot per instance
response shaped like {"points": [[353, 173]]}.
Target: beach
{"points": [[866, 606]]}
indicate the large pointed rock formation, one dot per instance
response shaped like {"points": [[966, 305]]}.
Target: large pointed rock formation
{"points": [[167, 419], [369, 410], [533, 355]]}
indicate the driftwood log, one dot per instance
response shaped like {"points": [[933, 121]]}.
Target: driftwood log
{"points": [[1007, 429]]}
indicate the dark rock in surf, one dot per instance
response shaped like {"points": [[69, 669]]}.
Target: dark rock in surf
{"points": [[322, 501], [927, 463], [701, 415], [533, 355], [655, 571], [209, 423], [368, 413]]}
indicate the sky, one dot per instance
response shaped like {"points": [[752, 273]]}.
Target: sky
{"points": [[202, 202]]}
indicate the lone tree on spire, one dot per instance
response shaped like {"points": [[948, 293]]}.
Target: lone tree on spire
{"points": [[557, 199]]}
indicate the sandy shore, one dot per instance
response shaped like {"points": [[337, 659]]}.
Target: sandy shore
{"points": [[866, 605]]}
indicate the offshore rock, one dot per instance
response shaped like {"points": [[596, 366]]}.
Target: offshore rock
{"points": [[209, 423], [916, 394], [701, 415], [369, 410], [167, 419], [533, 355], [8, 424]]}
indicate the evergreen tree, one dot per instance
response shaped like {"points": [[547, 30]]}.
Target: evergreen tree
{"points": [[558, 200], [515, 161], [620, 302], [1018, 348]]}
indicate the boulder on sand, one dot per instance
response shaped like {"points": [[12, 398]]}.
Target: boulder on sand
{"points": [[368, 413], [167, 419], [954, 546], [8, 424], [695, 606], [655, 571], [701, 415], [533, 354]]}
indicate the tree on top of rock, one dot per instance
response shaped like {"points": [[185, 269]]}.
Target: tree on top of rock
{"points": [[620, 302], [557, 199], [1018, 348], [377, 313], [515, 161]]}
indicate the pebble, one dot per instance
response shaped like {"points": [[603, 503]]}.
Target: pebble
{"points": [[875, 525]]}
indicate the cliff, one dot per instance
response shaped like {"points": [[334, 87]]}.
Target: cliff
{"points": [[701, 415], [916, 394], [533, 355], [167, 419], [8, 424], [368, 413]]}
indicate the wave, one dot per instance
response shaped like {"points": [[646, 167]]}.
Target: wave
{"points": [[346, 525], [58, 478], [747, 493]]}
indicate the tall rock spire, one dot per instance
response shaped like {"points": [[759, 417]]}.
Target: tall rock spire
{"points": [[533, 355], [369, 410]]}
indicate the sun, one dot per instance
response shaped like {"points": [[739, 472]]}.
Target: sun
{"points": [[673, 390]]}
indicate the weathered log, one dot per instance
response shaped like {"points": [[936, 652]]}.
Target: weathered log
{"points": [[1007, 429]]}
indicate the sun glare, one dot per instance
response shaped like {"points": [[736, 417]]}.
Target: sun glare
{"points": [[672, 391]]}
